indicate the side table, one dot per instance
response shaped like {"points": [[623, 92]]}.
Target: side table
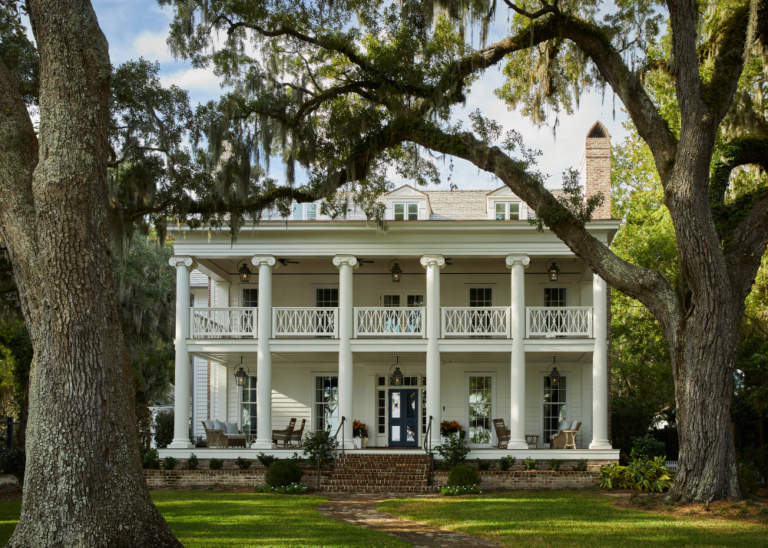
{"points": [[570, 439], [532, 439]]}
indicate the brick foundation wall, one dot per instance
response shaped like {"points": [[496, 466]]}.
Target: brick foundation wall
{"points": [[538, 479], [230, 476]]}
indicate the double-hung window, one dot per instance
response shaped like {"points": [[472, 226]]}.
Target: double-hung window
{"points": [[507, 211], [481, 407], [248, 416], [304, 212], [406, 212], [326, 403], [555, 411]]}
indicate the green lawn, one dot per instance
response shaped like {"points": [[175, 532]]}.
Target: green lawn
{"points": [[572, 519], [204, 519]]}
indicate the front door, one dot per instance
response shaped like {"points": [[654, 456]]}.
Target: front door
{"points": [[403, 417]]}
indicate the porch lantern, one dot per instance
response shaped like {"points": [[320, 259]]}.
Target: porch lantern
{"points": [[553, 271], [396, 378], [396, 271], [241, 375], [553, 375], [245, 273]]}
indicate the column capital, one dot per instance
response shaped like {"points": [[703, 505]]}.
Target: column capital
{"points": [[264, 260], [349, 260], [178, 260], [432, 260], [517, 258]]}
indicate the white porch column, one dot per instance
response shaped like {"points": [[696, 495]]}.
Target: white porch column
{"points": [[600, 366], [345, 264], [518, 264], [184, 265], [433, 264], [264, 354]]}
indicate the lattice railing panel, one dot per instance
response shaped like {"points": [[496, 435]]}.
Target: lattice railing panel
{"points": [[217, 323], [475, 321], [390, 322], [566, 321], [305, 322]]}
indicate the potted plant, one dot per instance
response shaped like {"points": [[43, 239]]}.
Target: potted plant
{"points": [[448, 428], [360, 431]]}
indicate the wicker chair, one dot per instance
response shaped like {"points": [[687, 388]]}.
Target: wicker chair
{"points": [[559, 440], [212, 435], [284, 435], [296, 435], [502, 433]]}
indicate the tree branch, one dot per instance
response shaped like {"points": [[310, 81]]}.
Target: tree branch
{"points": [[738, 152], [748, 244]]}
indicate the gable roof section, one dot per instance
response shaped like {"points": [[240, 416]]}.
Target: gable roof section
{"points": [[405, 191]]}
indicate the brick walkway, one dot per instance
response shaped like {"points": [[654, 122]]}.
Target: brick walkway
{"points": [[361, 510]]}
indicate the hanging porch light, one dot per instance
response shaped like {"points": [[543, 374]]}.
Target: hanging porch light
{"points": [[395, 270], [553, 271], [396, 378], [241, 375], [244, 272], [553, 373]]}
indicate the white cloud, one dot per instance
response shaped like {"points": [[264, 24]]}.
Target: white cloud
{"points": [[152, 46], [202, 84]]}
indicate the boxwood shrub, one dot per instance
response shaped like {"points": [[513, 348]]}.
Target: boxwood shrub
{"points": [[283, 473], [463, 475]]}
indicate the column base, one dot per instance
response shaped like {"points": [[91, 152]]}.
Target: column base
{"points": [[517, 444], [181, 444], [347, 445], [600, 444], [263, 444], [436, 442]]}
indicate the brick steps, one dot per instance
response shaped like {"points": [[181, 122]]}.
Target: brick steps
{"points": [[379, 474]]}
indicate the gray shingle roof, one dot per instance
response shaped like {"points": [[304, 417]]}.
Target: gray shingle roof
{"points": [[457, 205]]}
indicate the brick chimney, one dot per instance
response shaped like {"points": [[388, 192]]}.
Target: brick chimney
{"points": [[596, 168]]}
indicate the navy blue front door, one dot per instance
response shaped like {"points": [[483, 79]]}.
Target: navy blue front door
{"points": [[403, 417]]}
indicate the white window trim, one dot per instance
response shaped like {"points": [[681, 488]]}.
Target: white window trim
{"points": [[420, 204], [240, 288], [565, 285], [541, 401], [468, 374], [312, 411], [403, 296], [240, 399], [481, 286], [303, 207], [315, 287], [522, 210]]}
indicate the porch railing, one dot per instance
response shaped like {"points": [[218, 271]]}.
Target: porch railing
{"points": [[475, 321], [552, 322], [218, 323], [390, 322], [305, 322]]}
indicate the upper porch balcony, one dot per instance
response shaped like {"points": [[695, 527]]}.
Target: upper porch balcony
{"points": [[392, 322]]}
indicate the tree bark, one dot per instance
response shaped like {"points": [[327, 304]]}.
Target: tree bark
{"points": [[84, 483]]}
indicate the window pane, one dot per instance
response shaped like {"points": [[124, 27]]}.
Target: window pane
{"points": [[411, 409], [555, 409], [394, 412], [480, 409], [413, 212], [416, 300], [250, 297], [555, 296], [399, 212], [297, 210], [514, 212], [500, 211], [311, 212]]}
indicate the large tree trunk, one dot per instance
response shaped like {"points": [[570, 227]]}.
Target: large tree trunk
{"points": [[84, 484]]}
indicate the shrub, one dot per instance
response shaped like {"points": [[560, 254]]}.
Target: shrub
{"points": [[757, 457], [283, 473], [215, 464], [484, 464], [149, 459], [164, 428], [749, 479], [454, 451], [507, 462], [266, 460], [292, 489], [200, 442], [530, 464], [647, 447], [192, 462], [463, 475], [580, 466], [319, 444], [630, 418], [169, 463], [640, 474], [554, 464], [242, 464], [14, 462], [458, 491]]}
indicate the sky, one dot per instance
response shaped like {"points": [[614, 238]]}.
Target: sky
{"points": [[139, 28]]}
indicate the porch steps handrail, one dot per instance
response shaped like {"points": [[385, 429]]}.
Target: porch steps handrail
{"points": [[395, 321], [302, 321], [473, 321], [558, 321], [336, 442], [428, 450], [236, 322]]}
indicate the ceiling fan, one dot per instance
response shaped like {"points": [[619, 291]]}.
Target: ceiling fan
{"points": [[448, 261], [362, 262], [286, 262]]}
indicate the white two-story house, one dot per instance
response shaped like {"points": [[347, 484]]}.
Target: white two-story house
{"points": [[461, 311]]}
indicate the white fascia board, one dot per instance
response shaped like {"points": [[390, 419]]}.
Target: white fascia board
{"points": [[388, 345], [475, 345], [548, 346]]}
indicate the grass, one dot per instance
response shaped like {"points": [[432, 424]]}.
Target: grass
{"points": [[573, 519], [204, 519]]}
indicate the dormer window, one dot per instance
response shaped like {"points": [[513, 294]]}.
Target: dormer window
{"points": [[507, 211], [406, 211]]}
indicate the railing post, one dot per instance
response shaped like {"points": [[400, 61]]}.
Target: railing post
{"points": [[191, 323], [274, 322], [336, 322]]}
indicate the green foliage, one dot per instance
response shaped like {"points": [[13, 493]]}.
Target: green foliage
{"points": [[554, 464], [283, 473], [320, 444], [631, 418], [192, 462], [200, 442], [640, 474], [14, 462], [463, 475], [150, 459], [750, 479], [144, 425], [458, 490], [164, 428], [215, 464], [647, 447], [292, 489], [266, 460], [454, 451], [485, 464], [169, 463], [530, 464], [580, 466], [505, 463], [243, 464]]}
